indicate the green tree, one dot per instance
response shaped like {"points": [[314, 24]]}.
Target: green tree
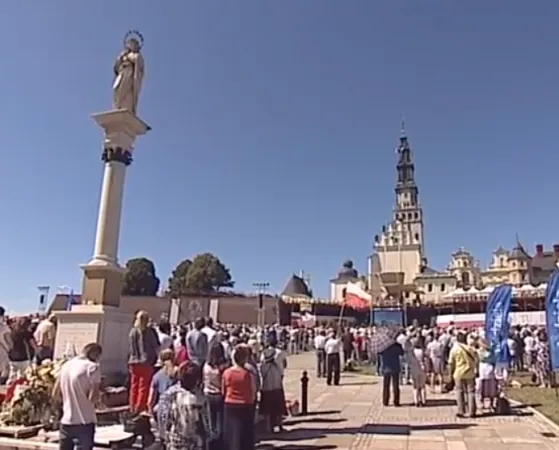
{"points": [[207, 274], [140, 278], [177, 282]]}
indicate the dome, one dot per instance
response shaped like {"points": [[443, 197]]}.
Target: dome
{"points": [[347, 270]]}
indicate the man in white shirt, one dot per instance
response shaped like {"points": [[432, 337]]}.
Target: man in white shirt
{"points": [[209, 331], [78, 385], [333, 347], [319, 343], [529, 351]]}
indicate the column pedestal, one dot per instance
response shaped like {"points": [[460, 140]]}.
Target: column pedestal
{"points": [[102, 284], [106, 325]]}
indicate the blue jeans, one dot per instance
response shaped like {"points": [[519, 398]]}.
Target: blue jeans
{"points": [[80, 435]]}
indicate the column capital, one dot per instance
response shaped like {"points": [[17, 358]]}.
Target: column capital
{"points": [[117, 154]]}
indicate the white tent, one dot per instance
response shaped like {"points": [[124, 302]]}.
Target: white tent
{"points": [[487, 290]]}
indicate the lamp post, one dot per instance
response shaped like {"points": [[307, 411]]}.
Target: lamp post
{"points": [[43, 298], [262, 288]]}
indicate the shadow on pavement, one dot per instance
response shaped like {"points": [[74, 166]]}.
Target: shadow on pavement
{"points": [[296, 447], [440, 402], [301, 434], [525, 405], [326, 412], [359, 383], [312, 420]]}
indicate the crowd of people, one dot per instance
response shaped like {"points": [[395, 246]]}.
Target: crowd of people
{"points": [[23, 341], [431, 358], [204, 383]]}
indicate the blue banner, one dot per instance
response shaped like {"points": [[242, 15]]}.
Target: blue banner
{"points": [[552, 318], [497, 321]]}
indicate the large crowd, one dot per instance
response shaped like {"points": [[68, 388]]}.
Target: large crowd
{"points": [[452, 358], [205, 383]]}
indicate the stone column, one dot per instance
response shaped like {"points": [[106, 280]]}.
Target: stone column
{"points": [[103, 274], [99, 318]]}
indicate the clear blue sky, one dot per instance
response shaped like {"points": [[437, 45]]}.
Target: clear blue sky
{"points": [[274, 128]]}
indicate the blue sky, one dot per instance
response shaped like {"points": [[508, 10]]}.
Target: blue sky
{"points": [[274, 128]]}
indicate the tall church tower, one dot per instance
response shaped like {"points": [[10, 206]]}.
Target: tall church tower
{"points": [[408, 210], [398, 254]]}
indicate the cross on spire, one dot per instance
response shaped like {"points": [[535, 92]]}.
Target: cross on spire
{"points": [[403, 127]]}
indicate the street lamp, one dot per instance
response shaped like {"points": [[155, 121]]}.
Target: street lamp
{"points": [[43, 297], [262, 288]]}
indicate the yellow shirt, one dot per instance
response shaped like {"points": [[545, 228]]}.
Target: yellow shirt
{"points": [[463, 362]]}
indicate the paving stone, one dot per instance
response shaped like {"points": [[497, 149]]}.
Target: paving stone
{"points": [[351, 417]]}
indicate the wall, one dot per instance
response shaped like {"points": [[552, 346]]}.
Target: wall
{"points": [[439, 287], [407, 261], [231, 309], [237, 310], [516, 318]]}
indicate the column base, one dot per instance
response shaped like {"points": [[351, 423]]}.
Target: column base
{"points": [[106, 325], [102, 283]]}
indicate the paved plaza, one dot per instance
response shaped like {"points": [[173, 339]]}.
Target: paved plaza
{"points": [[351, 416]]}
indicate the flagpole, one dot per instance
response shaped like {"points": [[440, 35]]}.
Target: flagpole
{"points": [[341, 314]]}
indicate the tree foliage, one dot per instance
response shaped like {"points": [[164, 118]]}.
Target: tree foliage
{"points": [[208, 274], [177, 282], [140, 278], [204, 274]]}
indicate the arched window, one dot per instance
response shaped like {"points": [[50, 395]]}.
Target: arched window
{"points": [[344, 292]]}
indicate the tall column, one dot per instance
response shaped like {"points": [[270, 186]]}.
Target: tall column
{"points": [[103, 274]]}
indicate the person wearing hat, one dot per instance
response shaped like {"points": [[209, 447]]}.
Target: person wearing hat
{"points": [[272, 398]]}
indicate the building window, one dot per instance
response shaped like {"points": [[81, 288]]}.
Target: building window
{"points": [[443, 287], [465, 279], [416, 236], [429, 287], [344, 291], [409, 216], [465, 263], [416, 215]]}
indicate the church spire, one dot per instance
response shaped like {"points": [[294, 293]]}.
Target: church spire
{"points": [[405, 166], [403, 128]]}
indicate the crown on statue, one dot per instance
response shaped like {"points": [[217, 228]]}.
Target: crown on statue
{"points": [[136, 35]]}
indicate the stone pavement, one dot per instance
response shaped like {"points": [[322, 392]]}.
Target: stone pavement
{"points": [[351, 416]]}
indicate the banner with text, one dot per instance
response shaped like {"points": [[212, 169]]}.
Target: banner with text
{"points": [[497, 321], [552, 318]]}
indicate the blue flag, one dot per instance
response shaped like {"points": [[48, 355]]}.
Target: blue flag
{"points": [[552, 318], [497, 321]]}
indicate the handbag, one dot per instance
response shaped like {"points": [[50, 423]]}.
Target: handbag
{"points": [[449, 386]]}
